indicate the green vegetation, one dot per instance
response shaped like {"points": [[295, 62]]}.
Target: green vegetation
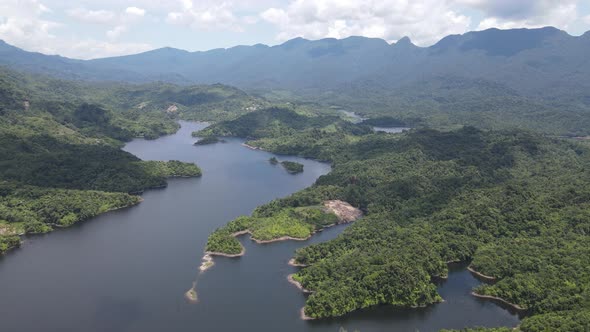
{"points": [[8, 242], [172, 168], [286, 131], [33, 207], [448, 102], [60, 156], [385, 121], [292, 167], [31, 210], [47, 161], [570, 321], [273, 161], [272, 123], [513, 202], [483, 329], [208, 140], [268, 225]]}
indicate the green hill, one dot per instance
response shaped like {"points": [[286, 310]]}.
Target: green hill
{"points": [[513, 203]]}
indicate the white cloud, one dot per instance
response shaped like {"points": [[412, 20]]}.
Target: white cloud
{"points": [[507, 14], [206, 16], [92, 16], [119, 22], [424, 21], [115, 32], [135, 11], [25, 26]]}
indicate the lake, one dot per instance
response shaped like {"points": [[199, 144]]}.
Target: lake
{"points": [[128, 270], [355, 118]]}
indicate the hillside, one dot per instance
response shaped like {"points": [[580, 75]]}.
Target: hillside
{"points": [[138, 110], [529, 78], [60, 156], [512, 203]]}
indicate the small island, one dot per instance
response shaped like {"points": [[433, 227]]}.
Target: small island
{"points": [[209, 140], [273, 161], [292, 167], [265, 226], [191, 294]]}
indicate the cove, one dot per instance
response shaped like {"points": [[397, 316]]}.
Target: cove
{"points": [[128, 270]]}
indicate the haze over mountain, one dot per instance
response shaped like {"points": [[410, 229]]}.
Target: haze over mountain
{"points": [[299, 63], [369, 74]]}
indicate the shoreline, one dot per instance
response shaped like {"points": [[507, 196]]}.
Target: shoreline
{"points": [[140, 200], [207, 263], [191, 294], [298, 284], [282, 238], [481, 275], [216, 253], [304, 316], [58, 226], [252, 147], [292, 262], [278, 239], [345, 212], [499, 299]]}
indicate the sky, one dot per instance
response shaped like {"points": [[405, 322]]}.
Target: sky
{"points": [[88, 29]]}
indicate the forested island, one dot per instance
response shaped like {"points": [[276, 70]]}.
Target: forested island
{"points": [[208, 140], [513, 203], [292, 167], [277, 224], [289, 166]]}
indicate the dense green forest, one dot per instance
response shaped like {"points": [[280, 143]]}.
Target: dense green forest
{"points": [[448, 101], [32, 210], [265, 225], [292, 167], [276, 122], [515, 203], [60, 156], [208, 140], [123, 110], [495, 79]]}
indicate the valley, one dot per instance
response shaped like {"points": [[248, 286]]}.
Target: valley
{"points": [[354, 183]]}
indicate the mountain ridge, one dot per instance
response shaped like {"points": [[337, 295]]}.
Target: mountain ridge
{"points": [[541, 71]]}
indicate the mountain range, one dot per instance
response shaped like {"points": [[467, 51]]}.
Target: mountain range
{"points": [[535, 70]]}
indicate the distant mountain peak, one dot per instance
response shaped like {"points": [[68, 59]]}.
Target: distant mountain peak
{"points": [[405, 41], [497, 42], [294, 42]]}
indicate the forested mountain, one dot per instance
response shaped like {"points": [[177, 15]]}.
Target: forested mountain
{"points": [[60, 156], [149, 109], [531, 78], [512, 203]]}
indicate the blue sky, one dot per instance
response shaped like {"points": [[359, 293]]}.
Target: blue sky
{"points": [[92, 29]]}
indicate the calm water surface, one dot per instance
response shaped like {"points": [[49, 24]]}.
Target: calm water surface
{"points": [[391, 130], [128, 270], [358, 119]]}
